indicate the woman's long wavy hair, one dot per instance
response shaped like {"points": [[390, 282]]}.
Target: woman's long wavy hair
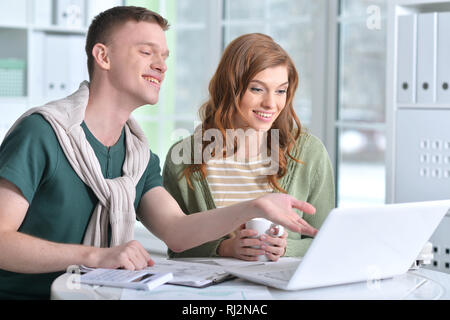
{"points": [[241, 61]]}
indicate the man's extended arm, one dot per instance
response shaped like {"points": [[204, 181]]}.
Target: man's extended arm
{"points": [[160, 213]]}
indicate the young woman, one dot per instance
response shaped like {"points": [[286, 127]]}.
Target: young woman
{"points": [[251, 143]]}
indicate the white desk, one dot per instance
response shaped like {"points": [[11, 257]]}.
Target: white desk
{"points": [[435, 286]]}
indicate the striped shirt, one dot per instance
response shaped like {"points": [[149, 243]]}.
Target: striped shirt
{"points": [[234, 181]]}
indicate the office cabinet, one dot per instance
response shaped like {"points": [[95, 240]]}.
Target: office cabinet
{"points": [[43, 48], [422, 155], [418, 116]]}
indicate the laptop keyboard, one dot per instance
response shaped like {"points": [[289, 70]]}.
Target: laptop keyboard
{"points": [[283, 275]]}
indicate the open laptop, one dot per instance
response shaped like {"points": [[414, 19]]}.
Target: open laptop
{"points": [[354, 245]]}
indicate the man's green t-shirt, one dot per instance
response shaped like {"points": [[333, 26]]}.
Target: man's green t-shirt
{"points": [[60, 203]]}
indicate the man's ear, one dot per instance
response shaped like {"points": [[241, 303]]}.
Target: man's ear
{"points": [[101, 57]]}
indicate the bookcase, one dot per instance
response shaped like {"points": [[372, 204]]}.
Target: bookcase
{"points": [[42, 58], [42, 54], [418, 110]]}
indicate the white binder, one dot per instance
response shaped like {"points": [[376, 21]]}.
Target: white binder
{"points": [[55, 67], [65, 65], [406, 58], [77, 62], [443, 58], [426, 57]]}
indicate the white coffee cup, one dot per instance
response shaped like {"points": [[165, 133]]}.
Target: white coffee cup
{"points": [[263, 226]]}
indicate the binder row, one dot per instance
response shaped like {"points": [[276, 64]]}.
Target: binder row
{"points": [[64, 64], [423, 58]]}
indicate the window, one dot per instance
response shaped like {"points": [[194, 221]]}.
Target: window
{"points": [[200, 30], [298, 26], [186, 82], [360, 124]]}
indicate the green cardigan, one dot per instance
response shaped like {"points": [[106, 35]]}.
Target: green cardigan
{"points": [[311, 181]]}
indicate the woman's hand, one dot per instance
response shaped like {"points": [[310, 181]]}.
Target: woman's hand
{"points": [[242, 245], [278, 208], [275, 247]]}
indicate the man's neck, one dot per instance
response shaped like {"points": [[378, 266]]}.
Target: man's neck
{"points": [[106, 114]]}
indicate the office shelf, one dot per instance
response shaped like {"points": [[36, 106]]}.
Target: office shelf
{"points": [[13, 26], [14, 100], [56, 29], [34, 33], [417, 108], [423, 106]]}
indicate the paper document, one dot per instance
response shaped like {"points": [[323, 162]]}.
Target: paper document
{"points": [[190, 274]]}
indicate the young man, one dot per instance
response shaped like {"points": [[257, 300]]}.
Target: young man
{"points": [[74, 173]]}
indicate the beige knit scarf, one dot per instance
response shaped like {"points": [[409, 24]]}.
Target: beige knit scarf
{"points": [[116, 196]]}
